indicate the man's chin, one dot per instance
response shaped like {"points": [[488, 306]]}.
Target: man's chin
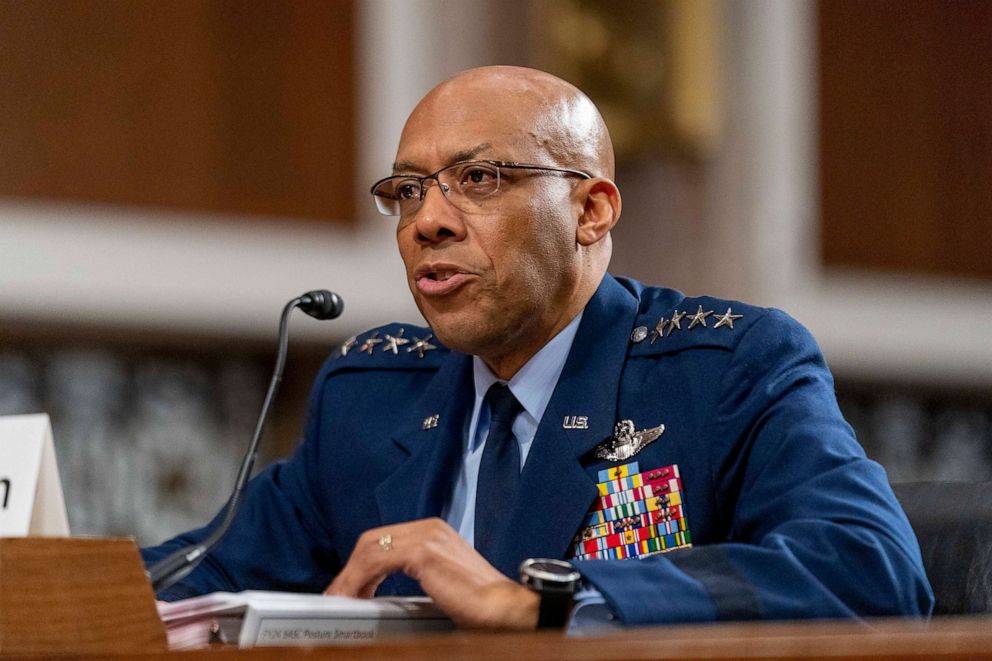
{"points": [[456, 337], [458, 332]]}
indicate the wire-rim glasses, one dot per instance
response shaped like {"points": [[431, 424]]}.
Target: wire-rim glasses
{"points": [[469, 186]]}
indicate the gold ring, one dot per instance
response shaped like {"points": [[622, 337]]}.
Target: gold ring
{"points": [[386, 542]]}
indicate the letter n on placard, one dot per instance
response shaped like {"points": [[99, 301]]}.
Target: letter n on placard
{"points": [[31, 500]]}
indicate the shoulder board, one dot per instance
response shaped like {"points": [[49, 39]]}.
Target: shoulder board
{"points": [[693, 322], [390, 347]]}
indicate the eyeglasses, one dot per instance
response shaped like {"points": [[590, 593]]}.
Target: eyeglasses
{"points": [[470, 186]]}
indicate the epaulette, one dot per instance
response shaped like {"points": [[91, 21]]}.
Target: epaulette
{"points": [[389, 347], [667, 326]]}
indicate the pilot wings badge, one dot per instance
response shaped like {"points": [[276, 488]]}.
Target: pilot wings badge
{"points": [[626, 442]]}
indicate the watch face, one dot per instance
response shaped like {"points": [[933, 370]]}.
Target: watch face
{"points": [[552, 567], [553, 571]]}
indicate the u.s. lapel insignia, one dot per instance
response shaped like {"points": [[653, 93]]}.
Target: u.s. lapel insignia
{"points": [[626, 442], [575, 422], [430, 422]]}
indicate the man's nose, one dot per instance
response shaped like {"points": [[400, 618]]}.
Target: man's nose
{"points": [[437, 220]]}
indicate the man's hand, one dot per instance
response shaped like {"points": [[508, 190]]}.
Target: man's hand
{"points": [[466, 587]]}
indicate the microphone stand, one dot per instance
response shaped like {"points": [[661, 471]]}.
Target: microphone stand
{"points": [[181, 562]]}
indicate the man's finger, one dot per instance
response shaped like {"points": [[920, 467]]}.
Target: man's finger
{"points": [[373, 558]]}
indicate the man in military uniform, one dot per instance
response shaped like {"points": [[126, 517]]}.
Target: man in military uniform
{"points": [[685, 455]]}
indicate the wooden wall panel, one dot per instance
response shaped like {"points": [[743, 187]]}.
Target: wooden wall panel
{"points": [[219, 105], [906, 135]]}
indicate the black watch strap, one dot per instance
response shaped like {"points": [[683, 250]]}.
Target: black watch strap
{"points": [[554, 609], [555, 582]]}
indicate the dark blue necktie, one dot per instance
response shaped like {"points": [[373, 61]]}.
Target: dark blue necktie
{"points": [[499, 472]]}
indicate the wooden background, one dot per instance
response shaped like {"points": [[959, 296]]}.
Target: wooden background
{"points": [[906, 135], [212, 105]]}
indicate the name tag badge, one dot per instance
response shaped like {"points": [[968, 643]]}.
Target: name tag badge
{"points": [[31, 499]]}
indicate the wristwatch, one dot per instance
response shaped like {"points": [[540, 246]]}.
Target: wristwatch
{"points": [[555, 581]]}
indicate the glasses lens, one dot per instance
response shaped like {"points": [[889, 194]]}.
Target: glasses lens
{"points": [[469, 185], [396, 196], [386, 206]]}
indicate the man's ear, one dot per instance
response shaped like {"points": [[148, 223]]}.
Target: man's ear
{"points": [[600, 211]]}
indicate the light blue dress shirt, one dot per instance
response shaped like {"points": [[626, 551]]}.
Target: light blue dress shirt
{"points": [[532, 385]]}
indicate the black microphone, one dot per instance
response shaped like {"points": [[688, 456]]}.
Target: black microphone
{"points": [[320, 304]]}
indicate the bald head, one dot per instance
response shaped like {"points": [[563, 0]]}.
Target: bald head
{"points": [[543, 113], [501, 273]]}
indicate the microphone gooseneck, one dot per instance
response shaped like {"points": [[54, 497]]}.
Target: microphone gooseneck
{"points": [[320, 304]]}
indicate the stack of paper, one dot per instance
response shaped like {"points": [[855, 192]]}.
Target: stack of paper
{"points": [[254, 618]]}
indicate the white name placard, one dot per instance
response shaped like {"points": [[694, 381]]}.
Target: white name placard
{"points": [[31, 500]]}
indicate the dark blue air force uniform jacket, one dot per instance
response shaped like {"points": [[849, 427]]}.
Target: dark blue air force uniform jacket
{"points": [[787, 516]]}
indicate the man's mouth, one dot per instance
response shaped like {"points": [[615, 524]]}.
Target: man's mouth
{"points": [[440, 276], [438, 280]]}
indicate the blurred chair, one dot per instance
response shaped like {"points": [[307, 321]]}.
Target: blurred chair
{"points": [[953, 521]]}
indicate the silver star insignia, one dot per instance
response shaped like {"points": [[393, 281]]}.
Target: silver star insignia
{"points": [[727, 319], [626, 442], [394, 343], [370, 342], [675, 323], [420, 346], [348, 344], [659, 329], [699, 318]]}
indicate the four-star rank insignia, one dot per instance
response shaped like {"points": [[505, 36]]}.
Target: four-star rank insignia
{"points": [[370, 342], [394, 342], [420, 346], [694, 319], [626, 442], [699, 318], [636, 514], [659, 329], [727, 319]]}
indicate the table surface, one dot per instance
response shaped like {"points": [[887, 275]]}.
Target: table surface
{"points": [[945, 639]]}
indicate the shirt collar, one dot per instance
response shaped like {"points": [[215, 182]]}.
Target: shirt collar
{"points": [[534, 383]]}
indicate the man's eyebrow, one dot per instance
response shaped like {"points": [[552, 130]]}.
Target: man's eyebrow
{"points": [[457, 157], [406, 166]]}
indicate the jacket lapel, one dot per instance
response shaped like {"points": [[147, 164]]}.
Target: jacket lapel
{"points": [[556, 492], [421, 485]]}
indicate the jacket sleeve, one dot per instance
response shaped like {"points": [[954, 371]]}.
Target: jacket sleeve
{"points": [[276, 542], [815, 531]]}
